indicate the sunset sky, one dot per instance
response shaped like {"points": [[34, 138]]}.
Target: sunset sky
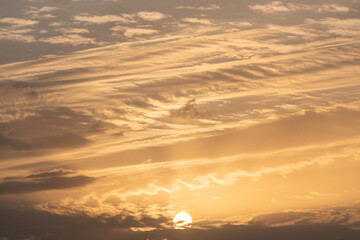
{"points": [[115, 115]]}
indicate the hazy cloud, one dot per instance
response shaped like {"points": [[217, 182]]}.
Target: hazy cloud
{"points": [[125, 227], [346, 215], [210, 7], [108, 142], [131, 32], [40, 13], [275, 6], [18, 22], [197, 20], [74, 227], [343, 27], [101, 19], [48, 129], [188, 112], [70, 39], [17, 29], [53, 180], [151, 16], [73, 30], [278, 6], [20, 35]]}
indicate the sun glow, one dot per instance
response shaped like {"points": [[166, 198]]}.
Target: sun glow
{"points": [[182, 221]]}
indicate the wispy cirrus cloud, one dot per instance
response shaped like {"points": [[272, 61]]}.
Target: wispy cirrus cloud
{"points": [[73, 30], [279, 6], [211, 7], [132, 31], [341, 27], [72, 39], [197, 21], [101, 19], [276, 105], [95, 0]]}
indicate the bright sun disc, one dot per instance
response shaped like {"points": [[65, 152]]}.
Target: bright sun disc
{"points": [[182, 221]]}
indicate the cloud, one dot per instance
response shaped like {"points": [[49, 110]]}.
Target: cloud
{"points": [[131, 32], [53, 173], [18, 22], [70, 39], [124, 226], [264, 95], [101, 19], [210, 7], [232, 176], [314, 195], [346, 215], [72, 30], [197, 20], [70, 227], [66, 140], [53, 180], [278, 6], [296, 131], [273, 7], [17, 29], [12, 143], [241, 24], [56, 24], [188, 113], [40, 13], [95, 0], [19, 35], [152, 16], [332, 8], [58, 128], [342, 27]]}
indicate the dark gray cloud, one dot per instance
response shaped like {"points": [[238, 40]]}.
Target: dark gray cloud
{"points": [[12, 143], [56, 121], [17, 224], [51, 180], [53, 173], [48, 129], [188, 113], [346, 216]]}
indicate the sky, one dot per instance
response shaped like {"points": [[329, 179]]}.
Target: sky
{"points": [[115, 115]]}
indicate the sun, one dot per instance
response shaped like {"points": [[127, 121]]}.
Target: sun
{"points": [[182, 221]]}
